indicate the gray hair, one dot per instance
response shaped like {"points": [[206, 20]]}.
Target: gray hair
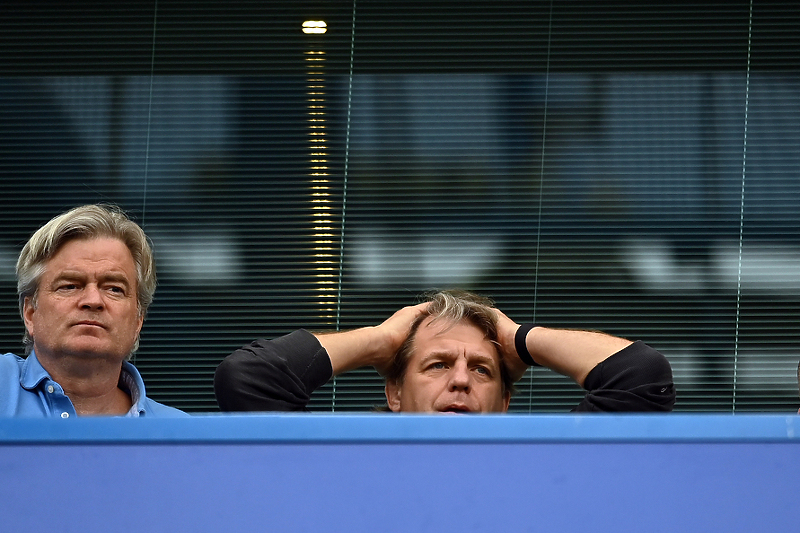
{"points": [[452, 307], [85, 222]]}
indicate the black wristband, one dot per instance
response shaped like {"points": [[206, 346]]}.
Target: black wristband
{"points": [[521, 346]]}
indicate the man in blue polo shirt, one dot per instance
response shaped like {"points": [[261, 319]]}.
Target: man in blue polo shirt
{"points": [[85, 280]]}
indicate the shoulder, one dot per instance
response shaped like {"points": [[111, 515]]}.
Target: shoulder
{"points": [[9, 358], [298, 341], [11, 364], [132, 379], [153, 408], [15, 398], [299, 353], [635, 365], [637, 378], [649, 363]]}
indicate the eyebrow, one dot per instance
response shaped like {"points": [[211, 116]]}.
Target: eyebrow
{"points": [[112, 276], [483, 358], [115, 276]]}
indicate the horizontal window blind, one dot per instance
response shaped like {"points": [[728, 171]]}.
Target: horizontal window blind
{"points": [[623, 166]]}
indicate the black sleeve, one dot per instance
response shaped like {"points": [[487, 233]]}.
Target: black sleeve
{"points": [[274, 375], [635, 379]]}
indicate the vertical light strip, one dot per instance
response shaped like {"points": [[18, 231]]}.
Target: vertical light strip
{"points": [[344, 184], [741, 213], [149, 111], [541, 190], [325, 254], [149, 122]]}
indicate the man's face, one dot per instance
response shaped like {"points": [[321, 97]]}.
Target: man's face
{"points": [[86, 304], [452, 369]]}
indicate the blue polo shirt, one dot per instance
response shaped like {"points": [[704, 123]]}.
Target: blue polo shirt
{"points": [[27, 390]]}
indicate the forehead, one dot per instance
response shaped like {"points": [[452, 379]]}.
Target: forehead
{"points": [[99, 254], [448, 337]]}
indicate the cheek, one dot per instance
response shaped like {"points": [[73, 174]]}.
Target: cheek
{"points": [[494, 398], [40, 317], [428, 391], [418, 393]]}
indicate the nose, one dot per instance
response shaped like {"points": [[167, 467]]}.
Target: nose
{"points": [[460, 378], [91, 297]]}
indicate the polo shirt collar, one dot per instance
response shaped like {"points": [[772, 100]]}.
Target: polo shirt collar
{"points": [[33, 373]]}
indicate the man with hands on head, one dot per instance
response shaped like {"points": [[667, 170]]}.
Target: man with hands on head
{"points": [[455, 353]]}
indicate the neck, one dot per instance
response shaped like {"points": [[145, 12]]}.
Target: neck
{"points": [[91, 386], [114, 402]]}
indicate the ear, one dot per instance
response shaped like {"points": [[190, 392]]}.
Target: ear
{"points": [[506, 400], [27, 314], [393, 395]]}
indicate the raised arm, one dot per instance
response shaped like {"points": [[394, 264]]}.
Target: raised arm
{"points": [[618, 374], [573, 353], [272, 375], [282, 373], [371, 346]]}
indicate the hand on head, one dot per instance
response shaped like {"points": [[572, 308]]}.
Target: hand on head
{"points": [[506, 330], [396, 330]]}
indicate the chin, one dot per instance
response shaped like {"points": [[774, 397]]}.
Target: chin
{"points": [[95, 351]]}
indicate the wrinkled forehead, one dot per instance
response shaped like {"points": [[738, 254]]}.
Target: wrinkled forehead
{"points": [[438, 333], [107, 256]]}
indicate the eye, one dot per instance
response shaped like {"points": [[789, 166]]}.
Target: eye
{"points": [[116, 290], [483, 370], [438, 365], [66, 287]]}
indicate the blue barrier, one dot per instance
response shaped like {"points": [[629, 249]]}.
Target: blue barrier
{"points": [[387, 473]]}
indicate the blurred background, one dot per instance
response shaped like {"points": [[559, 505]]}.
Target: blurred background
{"points": [[624, 166]]}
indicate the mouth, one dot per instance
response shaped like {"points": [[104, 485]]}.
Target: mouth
{"points": [[456, 409], [91, 323]]}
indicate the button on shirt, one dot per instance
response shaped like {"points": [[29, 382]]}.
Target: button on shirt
{"points": [[27, 390]]}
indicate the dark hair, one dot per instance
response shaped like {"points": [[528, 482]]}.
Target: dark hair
{"points": [[452, 306]]}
